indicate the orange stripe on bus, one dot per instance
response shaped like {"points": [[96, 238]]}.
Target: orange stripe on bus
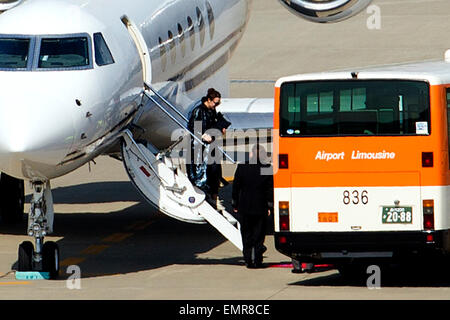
{"points": [[309, 167]]}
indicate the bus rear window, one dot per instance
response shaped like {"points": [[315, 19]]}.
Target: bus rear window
{"points": [[64, 53], [354, 107], [14, 53]]}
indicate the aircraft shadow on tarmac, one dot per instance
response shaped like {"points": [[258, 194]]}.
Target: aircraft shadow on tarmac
{"points": [[89, 193], [95, 192], [134, 239]]}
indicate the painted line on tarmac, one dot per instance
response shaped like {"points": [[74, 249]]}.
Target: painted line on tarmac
{"points": [[13, 283], [135, 225], [96, 249], [143, 226], [118, 237], [72, 261]]}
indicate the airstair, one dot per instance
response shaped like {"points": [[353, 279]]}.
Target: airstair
{"points": [[166, 186]]}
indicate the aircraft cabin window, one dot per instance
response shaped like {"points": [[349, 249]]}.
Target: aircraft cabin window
{"points": [[181, 39], [103, 55], [60, 53], [201, 26], [173, 52], [191, 32], [162, 54], [210, 19], [14, 53]]}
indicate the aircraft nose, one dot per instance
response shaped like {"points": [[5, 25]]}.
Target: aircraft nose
{"points": [[34, 135]]}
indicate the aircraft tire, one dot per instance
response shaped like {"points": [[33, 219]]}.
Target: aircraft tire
{"points": [[13, 199], [50, 259], [25, 260]]}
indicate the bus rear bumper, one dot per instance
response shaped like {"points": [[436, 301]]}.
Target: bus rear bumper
{"points": [[328, 246]]}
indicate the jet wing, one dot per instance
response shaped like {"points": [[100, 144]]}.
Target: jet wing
{"points": [[248, 113]]}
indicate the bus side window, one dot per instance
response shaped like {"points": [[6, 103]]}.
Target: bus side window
{"points": [[448, 122]]}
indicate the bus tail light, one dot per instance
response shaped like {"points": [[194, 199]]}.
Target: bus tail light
{"points": [[428, 214], [282, 240], [283, 161], [427, 159], [284, 215]]}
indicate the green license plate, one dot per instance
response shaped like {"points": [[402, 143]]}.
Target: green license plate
{"points": [[397, 215]]}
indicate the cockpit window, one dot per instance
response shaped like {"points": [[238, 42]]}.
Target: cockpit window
{"points": [[64, 53], [14, 53], [102, 54]]}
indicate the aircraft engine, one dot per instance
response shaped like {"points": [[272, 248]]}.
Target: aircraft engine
{"points": [[324, 11]]}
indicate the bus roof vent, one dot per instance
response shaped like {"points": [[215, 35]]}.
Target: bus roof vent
{"points": [[447, 55]]}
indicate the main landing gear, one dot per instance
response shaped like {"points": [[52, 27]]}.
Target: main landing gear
{"points": [[42, 256]]}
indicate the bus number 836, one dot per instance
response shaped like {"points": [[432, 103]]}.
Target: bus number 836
{"points": [[355, 197]]}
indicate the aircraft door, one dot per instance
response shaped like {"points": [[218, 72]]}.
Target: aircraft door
{"points": [[142, 48]]}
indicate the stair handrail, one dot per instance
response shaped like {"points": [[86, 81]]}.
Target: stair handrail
{"points": [[149, 87]]}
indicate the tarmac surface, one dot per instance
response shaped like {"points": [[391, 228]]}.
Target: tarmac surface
{"points": [[126, 250]]}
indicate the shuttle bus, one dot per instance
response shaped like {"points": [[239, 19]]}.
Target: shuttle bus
{"points": [[364, 166]]}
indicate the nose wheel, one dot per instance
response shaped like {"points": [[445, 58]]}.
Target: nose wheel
{"points": [[48, 262], [50, 259], [25, 261], [42, 257]]}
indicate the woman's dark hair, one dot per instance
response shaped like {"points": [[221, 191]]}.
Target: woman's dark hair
{"points": [[213, 93]]}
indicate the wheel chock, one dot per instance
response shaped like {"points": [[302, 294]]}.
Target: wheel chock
{"points": [[32, 275]]}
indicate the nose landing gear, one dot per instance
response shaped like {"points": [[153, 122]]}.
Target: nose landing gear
{"points": [[43, 256]]}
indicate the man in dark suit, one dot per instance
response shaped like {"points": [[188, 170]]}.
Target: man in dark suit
{"points": [[252, 200]]}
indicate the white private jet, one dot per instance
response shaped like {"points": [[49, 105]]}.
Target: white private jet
{"points": [[81, 78]]}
